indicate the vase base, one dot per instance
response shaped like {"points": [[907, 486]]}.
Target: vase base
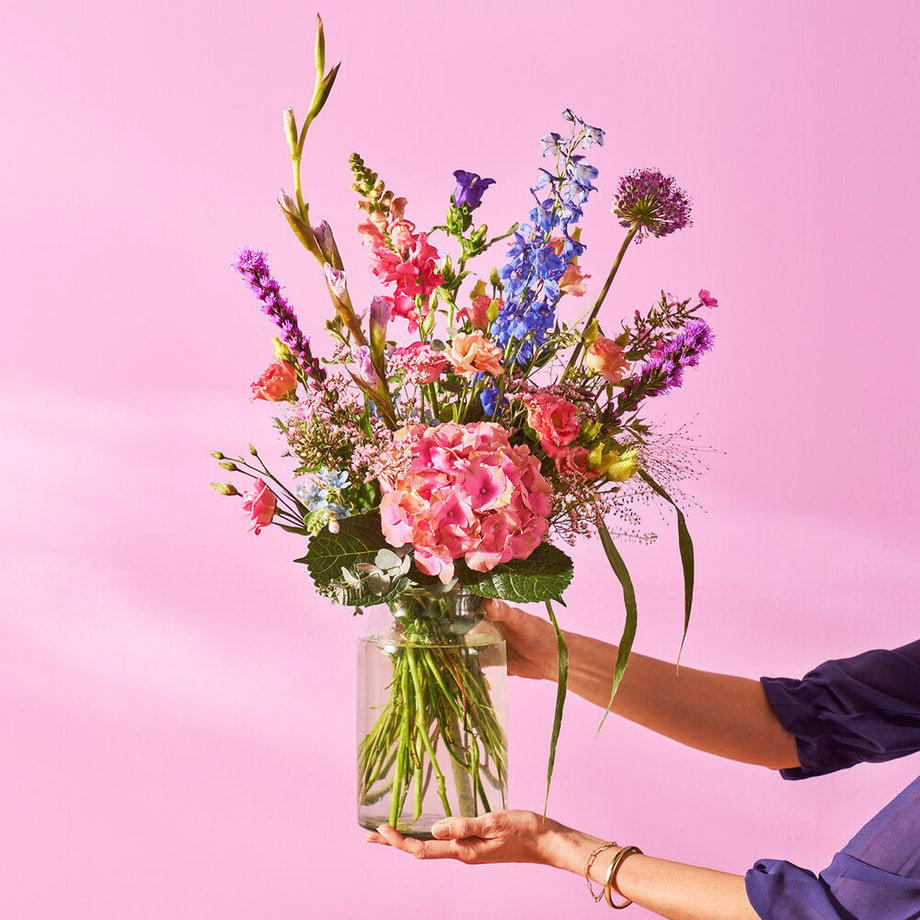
{"points": [[419, 830]]}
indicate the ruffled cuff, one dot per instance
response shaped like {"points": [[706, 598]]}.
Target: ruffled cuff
{"points": [[779, 890]]}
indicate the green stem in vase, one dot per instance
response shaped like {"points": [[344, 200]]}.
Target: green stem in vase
{"points": [[423, 731]]}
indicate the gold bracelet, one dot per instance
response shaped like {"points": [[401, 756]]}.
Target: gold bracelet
{"points": [[590, 863], [611, 879]]}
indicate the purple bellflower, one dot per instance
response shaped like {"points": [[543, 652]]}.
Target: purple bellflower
{"points": [[470, 189]]}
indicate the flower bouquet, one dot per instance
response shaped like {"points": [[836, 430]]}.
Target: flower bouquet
{"points": [[461, 427]]}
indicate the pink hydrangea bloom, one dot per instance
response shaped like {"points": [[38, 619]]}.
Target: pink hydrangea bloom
{"points": [[466, 492]]}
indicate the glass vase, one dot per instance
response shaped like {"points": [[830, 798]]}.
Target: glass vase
{"points": [[432, 713]]}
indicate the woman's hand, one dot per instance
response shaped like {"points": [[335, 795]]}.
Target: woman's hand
{"points": [[500, 836], [530, 640]]}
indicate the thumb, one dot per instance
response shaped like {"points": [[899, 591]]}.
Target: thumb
{"points": [[496, 609]]}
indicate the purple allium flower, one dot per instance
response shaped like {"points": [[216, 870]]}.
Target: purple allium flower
{"points": [[652, 202], [470, 188], [252, 265]]}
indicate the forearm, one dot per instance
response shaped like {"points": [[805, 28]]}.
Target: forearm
{"points": [[673, 890], [724, 715]]}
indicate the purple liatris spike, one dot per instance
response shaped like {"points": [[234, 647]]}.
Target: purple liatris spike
{"points": [[664, 370], [252, 265], [652, 202]]}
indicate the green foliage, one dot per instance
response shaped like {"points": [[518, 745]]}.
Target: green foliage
{"points": [[542, 576], [357, 542]]}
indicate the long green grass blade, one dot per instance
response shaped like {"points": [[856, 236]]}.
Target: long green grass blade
{"points": [[685, 544], [562, 650], [632, 612]]}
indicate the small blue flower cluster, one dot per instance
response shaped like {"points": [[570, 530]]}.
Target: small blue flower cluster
{"points": [[316, 496], [534, 268]]}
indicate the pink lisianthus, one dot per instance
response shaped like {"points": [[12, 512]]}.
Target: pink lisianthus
{"points": [[606, 357], [573, 281], [277, 382], [707, 300], [571, 459], [553, 418], [259, 503], [472, 353], [467, 492]]}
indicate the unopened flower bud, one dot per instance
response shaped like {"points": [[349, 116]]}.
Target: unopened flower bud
{"points": [[336, 281], [319, 47], [281, 351], [217, 455], [290, 128], [225, 488], [229, 465], [253, 451]]}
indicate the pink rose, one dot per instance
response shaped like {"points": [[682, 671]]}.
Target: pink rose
{"points": [[259, 503], [605, 357], [473, 353], [277, 382], [553, 418]]}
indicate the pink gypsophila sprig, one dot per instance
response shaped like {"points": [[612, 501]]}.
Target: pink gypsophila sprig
{"points": [[467, 492]]}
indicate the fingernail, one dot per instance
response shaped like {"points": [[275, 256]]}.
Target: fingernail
{"points": [[441, 829]]}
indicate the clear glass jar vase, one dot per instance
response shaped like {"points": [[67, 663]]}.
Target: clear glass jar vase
{"points": [[432, 713]]}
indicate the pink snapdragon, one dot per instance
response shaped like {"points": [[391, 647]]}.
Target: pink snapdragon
{"points": [[405, 259], [467, 492], [259, 503]]}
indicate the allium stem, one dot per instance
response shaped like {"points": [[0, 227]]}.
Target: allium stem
{"points": [[603, 294]]}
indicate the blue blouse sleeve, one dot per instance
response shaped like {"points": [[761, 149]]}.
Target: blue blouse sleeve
{"points": [[876, 876], [858, 709], [844, 712]]}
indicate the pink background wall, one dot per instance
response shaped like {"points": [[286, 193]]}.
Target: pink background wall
{"points": [[176, 707]]}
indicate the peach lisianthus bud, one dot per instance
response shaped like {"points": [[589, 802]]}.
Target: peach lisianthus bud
{"points": [[277, 382], [605, 357], [573, 281]]}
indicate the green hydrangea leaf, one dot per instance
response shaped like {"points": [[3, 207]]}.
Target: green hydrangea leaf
{"points": [[541, 577], [358, 540]]}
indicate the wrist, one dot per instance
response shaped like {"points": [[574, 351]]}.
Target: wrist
{"points": [[565, 848]]}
